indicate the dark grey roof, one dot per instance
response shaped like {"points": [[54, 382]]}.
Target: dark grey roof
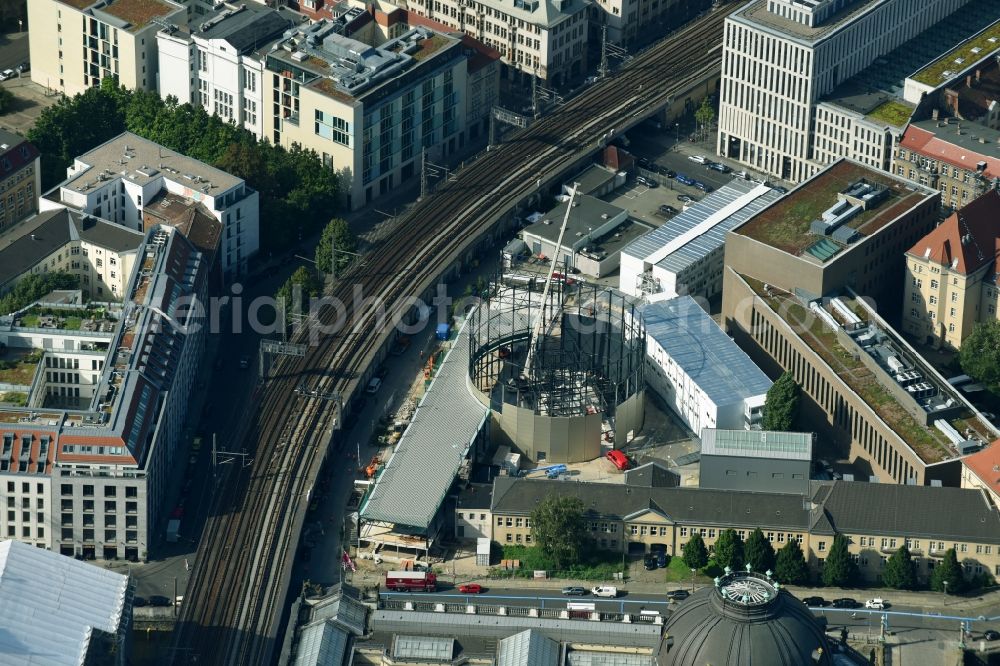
{"points": [[47, 232], [652, 475], [708, 630], [589, 213], [246, 30], [914, 511], [476, 496], [692, 505]]}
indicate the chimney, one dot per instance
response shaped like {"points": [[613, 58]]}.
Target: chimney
{"points": [[934, 115], [978, 73]]}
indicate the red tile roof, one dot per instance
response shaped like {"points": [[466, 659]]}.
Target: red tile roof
{"points": [[977, 224], [936, 147], [986, 465]]}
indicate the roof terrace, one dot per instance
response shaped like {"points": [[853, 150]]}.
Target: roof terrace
{"points": [[877, 365], [790, 224]]}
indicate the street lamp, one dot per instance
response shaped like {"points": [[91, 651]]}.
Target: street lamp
{"points": [[945, 583], [677, 126], [692, 579]]}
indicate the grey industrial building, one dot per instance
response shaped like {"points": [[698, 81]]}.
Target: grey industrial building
{"points": [[762, 460]]}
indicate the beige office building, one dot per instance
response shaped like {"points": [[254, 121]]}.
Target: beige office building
{"points": [[76, 43], [951, 281]]}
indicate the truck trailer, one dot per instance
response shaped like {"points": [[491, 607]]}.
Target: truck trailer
{"points": [[413, 581]]}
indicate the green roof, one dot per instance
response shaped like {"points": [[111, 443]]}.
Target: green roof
{"points": [[968, 52], [892, 112]]}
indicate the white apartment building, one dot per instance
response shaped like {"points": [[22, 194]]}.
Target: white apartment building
{"points": [[116, 180], [368, 111], [781, 57], [685, 256], [698, 370], [545, 38], [118, 39], [218, 64]]}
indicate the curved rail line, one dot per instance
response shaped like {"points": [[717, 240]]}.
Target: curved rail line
{"points": [[233, 603]]}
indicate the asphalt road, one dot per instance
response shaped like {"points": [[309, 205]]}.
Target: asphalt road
{"points": [[13, 50]]}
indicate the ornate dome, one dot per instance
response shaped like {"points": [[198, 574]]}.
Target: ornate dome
{"points": [[744, 620]]}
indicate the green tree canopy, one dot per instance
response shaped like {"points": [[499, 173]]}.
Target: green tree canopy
{"points": [[980, 354], [309, 286], [705, 115], [839, 570], [31, 288], [559, 529], [729, 549], [336, 234], [758, 552], [790, 565], [782, 404], [6, 100], [695, 555], [900, 571], [948, 571]]}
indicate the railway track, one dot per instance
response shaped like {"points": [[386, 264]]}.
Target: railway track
{"points": [[234, 599]]}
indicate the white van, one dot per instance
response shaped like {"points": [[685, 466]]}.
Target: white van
{"points": [[605, 591]]}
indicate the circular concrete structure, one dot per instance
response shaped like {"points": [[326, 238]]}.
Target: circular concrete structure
{"points": [[583, 384]]}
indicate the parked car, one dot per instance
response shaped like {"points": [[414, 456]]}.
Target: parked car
{"points": [[721, 168], [991, 635], [649, 563], [618, 459], [684, 180], [700, 159], [664, 171], [845, 602], [373, 386], [661, 559], [642, 180], [644, 164], [609, 591], [779, 188], [667, 210], [575, 591], [139, 602], [23, 67], [684, 198], [704, 187], [815, 601], [159, 600], [7, 74], [470, 588], [678, 595], [876, 604]]}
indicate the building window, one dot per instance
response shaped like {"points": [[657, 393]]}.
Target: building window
{"points": [[333, 128], [821, 546]]}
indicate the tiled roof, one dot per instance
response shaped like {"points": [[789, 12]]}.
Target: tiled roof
{"points": [[986, 465], [937, 146], [968, 239]]}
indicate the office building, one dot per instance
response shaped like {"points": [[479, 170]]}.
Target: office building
{"points": [[950, 284], [543, 38], [20, 180], [782, 57], [625, 519], [755, 460], [123, 178], [700, 373], [61, 612], [368, 111], [685, 256], [217, 63], [118, 37]]}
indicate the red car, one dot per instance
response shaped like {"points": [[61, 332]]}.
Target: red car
{"points": [[470, 588], [618, 459]]}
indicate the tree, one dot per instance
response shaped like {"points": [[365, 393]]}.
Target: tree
{"points": [[782, 404], [336, 234], [839, 570], [758, 552], [308, 284], [729, 549], [695, 555], [948, 571], [900, 571], [705, 115], [980, 354], [790, 565], [559, 528], [31, 288], [6, 100]]}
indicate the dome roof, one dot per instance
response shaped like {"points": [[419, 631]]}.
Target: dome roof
{"points": [[744, 620]]}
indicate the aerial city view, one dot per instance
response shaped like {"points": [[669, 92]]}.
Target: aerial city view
{"points": [[499, 332]]}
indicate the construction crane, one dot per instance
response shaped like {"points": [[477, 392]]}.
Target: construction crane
{"points": [[540, 317]]}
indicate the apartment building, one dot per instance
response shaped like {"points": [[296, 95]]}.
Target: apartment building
{"points": [[122, 177], [20, 180], [632, 519], [951, 278], [698, 371], [218, 62], [950, 155], [543, 38], [782, 57], [97, 474], [99, 253], [118, 39], [368, 111]]}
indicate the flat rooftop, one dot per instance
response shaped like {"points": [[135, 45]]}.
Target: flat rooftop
{"points": [[136, 14], [757, 14], [247, 27], [977, 47], [757, 444], [141, 161], [588, 214], [927, 442], [696, 232], [786, 224]]}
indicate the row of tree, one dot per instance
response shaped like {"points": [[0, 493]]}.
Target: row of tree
{"points": [[336, 244], [788, 564], [297, 193]]}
